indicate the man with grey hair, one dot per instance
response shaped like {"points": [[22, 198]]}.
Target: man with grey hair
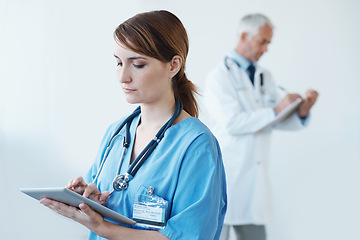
{"points": [[240, 99]]}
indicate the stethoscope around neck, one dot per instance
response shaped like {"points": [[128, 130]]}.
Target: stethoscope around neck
{"points": [[226, 62], [121, 181]]}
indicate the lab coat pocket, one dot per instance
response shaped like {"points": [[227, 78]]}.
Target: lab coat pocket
{"points": [[269, 100], [150, 211]]}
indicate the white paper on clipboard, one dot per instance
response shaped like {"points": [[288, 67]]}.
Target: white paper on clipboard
{"points": [[283, 114]]}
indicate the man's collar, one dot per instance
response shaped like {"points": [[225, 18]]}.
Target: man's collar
{"points": [[243, 62]]}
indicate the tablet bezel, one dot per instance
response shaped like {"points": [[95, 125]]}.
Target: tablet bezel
{"points": [[72, 198]]}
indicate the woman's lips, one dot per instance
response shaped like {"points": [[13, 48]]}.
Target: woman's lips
{"points": [[128, 90]]}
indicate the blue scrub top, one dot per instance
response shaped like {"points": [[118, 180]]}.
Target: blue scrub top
{"points": [[186, 169]]}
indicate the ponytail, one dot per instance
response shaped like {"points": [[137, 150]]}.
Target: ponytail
{"points": [[185, 91]]}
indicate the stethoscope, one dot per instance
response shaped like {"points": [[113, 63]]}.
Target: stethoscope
{"points": [[227, 59], [121, 181], [237, 64]]}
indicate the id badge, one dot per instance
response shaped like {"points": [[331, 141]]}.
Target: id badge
{"points": [[149, 210]]}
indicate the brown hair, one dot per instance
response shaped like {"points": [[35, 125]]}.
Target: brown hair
{"points": [[161, 35]]}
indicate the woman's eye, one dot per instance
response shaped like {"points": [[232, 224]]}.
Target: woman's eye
{"points": [[119, 64], [139, 65]]}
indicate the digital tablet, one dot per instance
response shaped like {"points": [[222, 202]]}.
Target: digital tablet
{"points": [[72, 198]]}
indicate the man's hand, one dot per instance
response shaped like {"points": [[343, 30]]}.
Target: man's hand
{"points": [[286, 101], [310, 98]]}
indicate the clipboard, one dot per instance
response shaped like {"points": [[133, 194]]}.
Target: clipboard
{"points": [[283, 114], [72, 198]]}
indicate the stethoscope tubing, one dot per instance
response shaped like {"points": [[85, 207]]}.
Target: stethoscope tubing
{"points": [[145, 153], [238, 65], [125, 143]]}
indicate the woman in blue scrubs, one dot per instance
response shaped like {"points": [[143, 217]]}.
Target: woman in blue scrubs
{"points": [[179, 191]]}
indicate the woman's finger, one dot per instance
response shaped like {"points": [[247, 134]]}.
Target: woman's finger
{"points": [[91, 190]]}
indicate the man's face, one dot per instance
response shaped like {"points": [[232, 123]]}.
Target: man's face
{"points": [[257, 45]]}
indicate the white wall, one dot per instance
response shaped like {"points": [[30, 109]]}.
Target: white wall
{"points": [[58, 93]]}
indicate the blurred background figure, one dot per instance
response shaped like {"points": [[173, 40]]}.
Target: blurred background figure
{"points": [[240, 99]]}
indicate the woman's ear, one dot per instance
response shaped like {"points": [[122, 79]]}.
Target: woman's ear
{"points": [[175, 65]]}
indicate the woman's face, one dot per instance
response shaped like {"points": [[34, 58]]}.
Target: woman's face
{"points": [[143, 79]]}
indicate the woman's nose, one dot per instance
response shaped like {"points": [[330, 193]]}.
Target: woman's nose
{"points": [[123, 75]]}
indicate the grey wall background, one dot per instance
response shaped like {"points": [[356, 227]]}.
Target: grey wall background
{"points": [[58, 94]]}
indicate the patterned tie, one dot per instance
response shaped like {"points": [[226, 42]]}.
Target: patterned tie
{"points": [[251, 72]]}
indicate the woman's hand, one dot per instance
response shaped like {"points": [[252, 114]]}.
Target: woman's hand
{"points": [[96, 223], [88, 190], [77, 185], [84, 215], [91, 219]]}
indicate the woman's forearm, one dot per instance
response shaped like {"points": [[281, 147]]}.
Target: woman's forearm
{"points": [[112, 231]]}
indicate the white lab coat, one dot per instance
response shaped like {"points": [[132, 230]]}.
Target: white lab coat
{"points": [[234, 110]]}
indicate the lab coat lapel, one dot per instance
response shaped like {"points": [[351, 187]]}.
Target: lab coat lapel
{"points": [[257, 90], [246, 91]]}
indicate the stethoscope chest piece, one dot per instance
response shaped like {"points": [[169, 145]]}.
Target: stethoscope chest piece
{"points": [[121, 182]]}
